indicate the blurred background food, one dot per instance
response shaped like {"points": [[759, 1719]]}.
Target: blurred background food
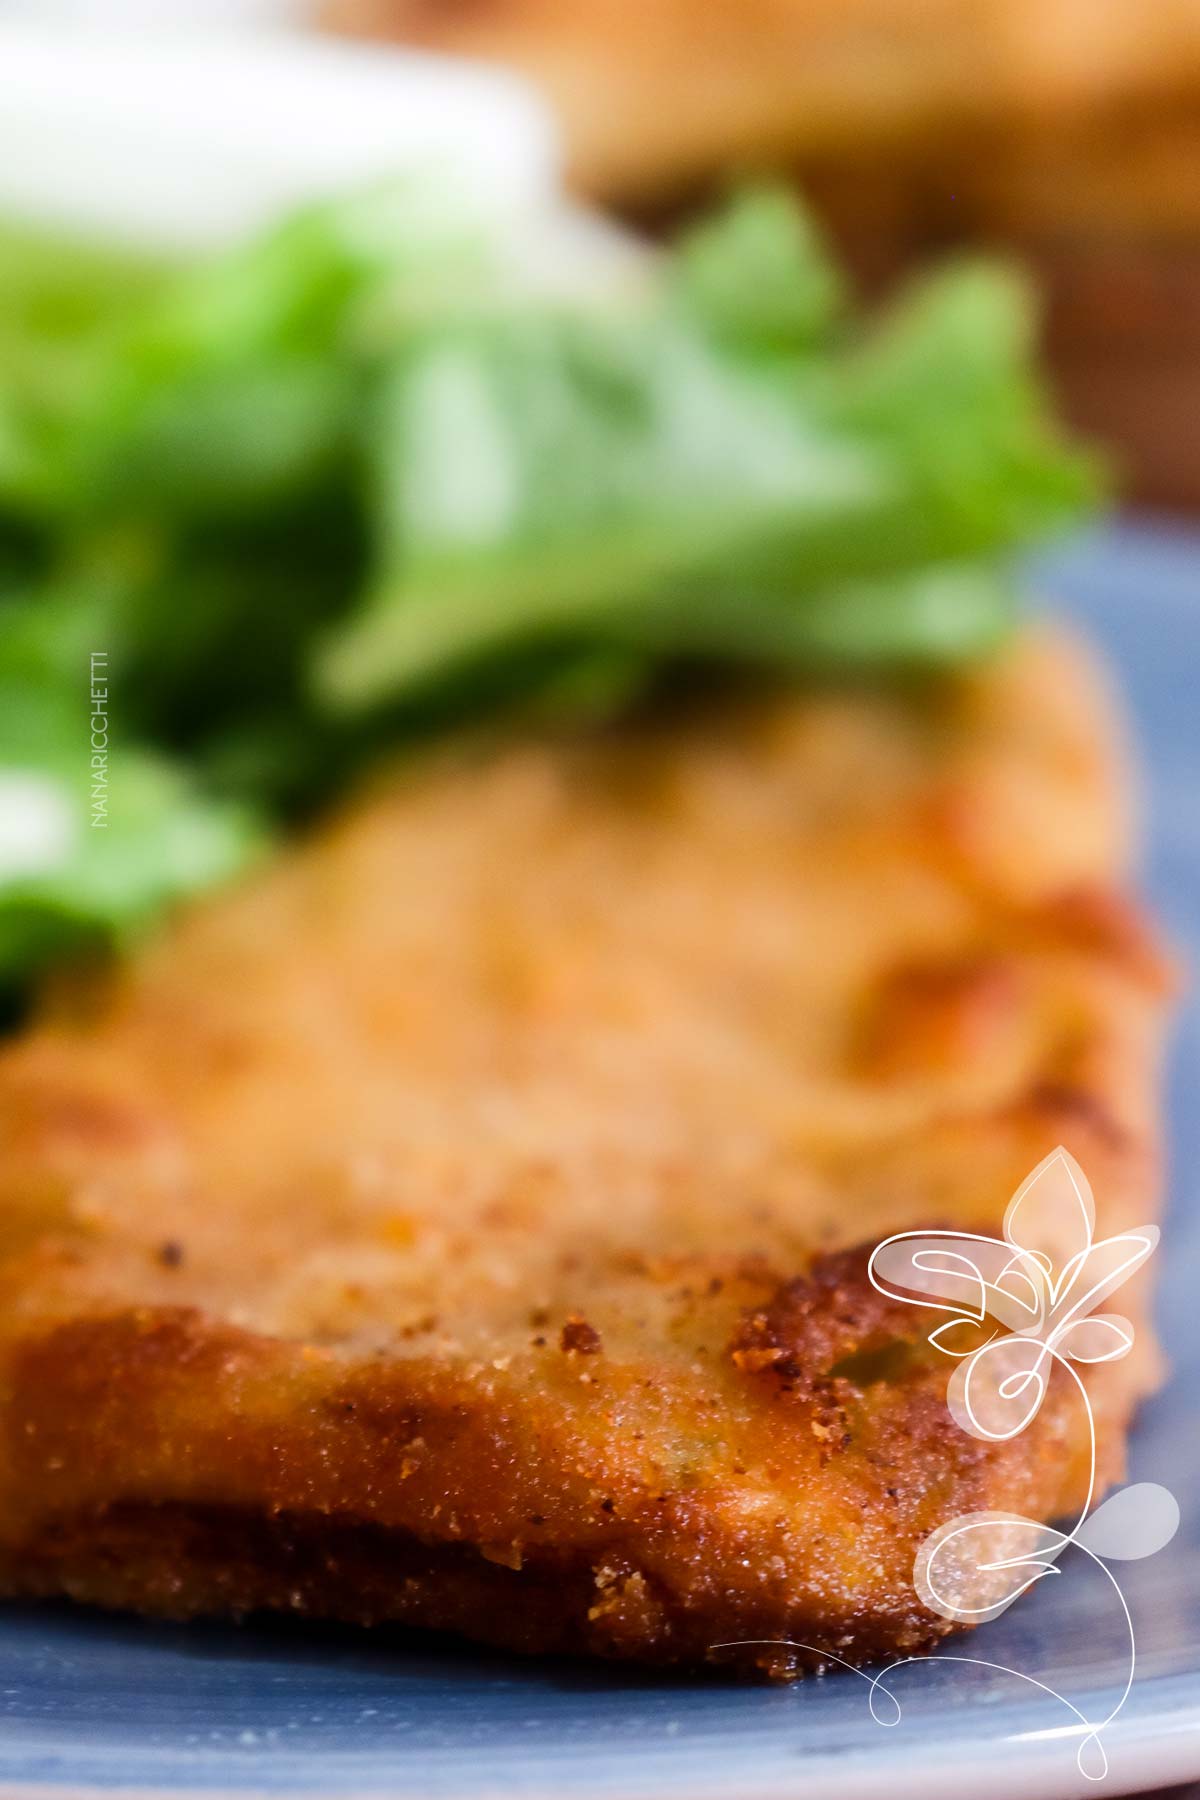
{"points": [[1067, 130]]}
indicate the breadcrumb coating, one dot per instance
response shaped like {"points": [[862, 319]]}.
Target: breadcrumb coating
{"points": [[466, 1221]]}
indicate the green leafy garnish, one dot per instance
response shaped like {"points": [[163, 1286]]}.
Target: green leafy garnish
{"points": [[365, 478]]}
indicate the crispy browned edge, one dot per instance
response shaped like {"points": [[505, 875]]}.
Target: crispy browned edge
{"points": [[652, 1576]]}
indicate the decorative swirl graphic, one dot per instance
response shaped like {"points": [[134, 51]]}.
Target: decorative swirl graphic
{"points": [[1034, 1292]]}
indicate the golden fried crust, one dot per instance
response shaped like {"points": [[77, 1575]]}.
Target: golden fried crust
{"points": [[458, 1224]]}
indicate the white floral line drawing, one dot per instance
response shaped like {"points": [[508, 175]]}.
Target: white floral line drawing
{"points": [[1041, 1282]]}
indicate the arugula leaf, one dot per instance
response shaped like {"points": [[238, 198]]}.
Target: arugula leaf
{"points": [[59, 300], [361, 480], [534, 473], [933, 616], [95, 841], [760, 278], [238, 386], [70, 883], [568, 477]]}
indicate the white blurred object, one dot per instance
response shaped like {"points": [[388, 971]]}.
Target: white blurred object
{"points": [[161, 12], [38, 824], [181, 138]]}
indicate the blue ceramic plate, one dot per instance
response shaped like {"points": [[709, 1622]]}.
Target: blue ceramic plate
{"points": [[89, 1702]]}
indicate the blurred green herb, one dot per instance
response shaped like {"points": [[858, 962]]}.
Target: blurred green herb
{"points": [[360, 480]]}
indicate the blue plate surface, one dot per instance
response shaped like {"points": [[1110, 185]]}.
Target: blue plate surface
{"points": [[90, 1702]]}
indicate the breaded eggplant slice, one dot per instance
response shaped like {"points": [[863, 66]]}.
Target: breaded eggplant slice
{"points": [[466, 1222]]}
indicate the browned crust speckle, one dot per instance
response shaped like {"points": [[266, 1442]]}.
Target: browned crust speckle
{"points": [[467, 1224]]}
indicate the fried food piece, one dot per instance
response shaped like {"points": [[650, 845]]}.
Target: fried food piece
{"points": [[466, 1222], [657, 96]]}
